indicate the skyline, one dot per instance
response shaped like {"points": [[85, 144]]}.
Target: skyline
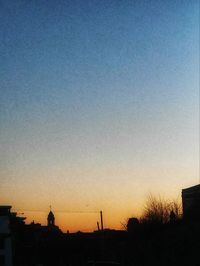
{"points": [[99, 106]]}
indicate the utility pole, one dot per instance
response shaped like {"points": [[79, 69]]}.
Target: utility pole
{"points": [[101, 216], [98, 226]]}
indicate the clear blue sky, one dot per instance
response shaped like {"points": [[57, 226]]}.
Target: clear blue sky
{"points": [[98, 97]]}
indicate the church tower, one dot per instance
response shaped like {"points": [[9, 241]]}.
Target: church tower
{"points": [[51, 218]]}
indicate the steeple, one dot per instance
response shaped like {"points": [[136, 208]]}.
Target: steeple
{"points": [[51, 218]]}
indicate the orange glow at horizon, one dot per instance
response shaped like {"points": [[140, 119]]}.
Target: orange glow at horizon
{"points": [[120, 196], [86, 222]]}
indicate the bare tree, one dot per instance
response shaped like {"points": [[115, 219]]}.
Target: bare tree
{"points": [[158, 210], [176, 207]]}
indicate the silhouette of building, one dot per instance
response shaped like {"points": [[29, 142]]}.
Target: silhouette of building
{"points": [[5, 237], [29, 244], [11, 234], [51, 219], [191, 203]]}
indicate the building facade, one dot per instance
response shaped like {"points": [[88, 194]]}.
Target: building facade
{"points": [[191, 203], [5, 237]]}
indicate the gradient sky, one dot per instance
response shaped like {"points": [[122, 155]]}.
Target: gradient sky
{"points": [[99, 106]]}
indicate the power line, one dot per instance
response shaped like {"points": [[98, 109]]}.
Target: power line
{"points": [[56, 211]]}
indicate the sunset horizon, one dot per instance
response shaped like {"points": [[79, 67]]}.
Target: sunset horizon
{"points": [[99, 108]]}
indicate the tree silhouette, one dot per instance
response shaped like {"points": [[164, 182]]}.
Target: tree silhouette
{"points": [[157, 210]]}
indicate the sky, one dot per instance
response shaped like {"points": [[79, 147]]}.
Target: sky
{"points": [[99, 107]]}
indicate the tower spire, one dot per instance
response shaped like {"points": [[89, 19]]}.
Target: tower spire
{"points": [[50, 218]]}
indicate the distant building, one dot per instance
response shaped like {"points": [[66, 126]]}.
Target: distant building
{"points": [[5, 237], [28, 244], [51, 226], [51, 219], [191, 203]]}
